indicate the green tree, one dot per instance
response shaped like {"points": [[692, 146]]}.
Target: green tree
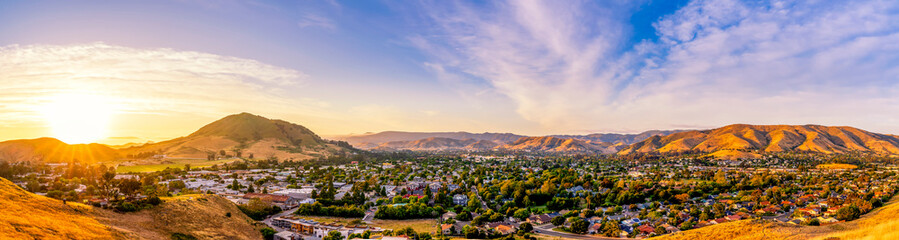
{"points": [[268, 233], [558, 221], [848, 213], [333, 235], [579, 226]]}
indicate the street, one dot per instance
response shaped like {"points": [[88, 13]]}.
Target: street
{"points": [[268, 221]]}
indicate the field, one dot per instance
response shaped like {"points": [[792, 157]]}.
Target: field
{"points": [[836, 166], [420, 225], [175, 163]]}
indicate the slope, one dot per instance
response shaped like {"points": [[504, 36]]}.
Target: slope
{"points": [[770, 138], [24, 215], [882, 223]]}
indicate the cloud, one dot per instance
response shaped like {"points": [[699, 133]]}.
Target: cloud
{"points": [[571, 66], [313, 20], [146, 81]]}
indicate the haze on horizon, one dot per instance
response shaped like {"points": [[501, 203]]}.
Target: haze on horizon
{"points": [[132, 71]]}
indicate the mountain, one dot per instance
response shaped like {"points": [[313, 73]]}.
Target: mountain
{"points": [[555, 144], [247, 134], [769, 138], [53, 150], [24, 215], [616, 138], [375, 140], [437, 144]]}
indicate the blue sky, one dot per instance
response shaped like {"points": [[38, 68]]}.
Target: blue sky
{"points": [[529, 67]]}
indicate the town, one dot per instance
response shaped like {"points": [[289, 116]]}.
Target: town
{"points": [[489, 196]]}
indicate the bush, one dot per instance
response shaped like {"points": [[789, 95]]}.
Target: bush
{"points": [[182, 236], [268, 233], [257, 209], [126, 207]]}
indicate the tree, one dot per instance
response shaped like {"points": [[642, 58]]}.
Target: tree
{"points": [[333, 235], [660, 230], [579, 226], [268, 233], [558, 221], [522, 213], [848, 213], [176, 185], [107, 185], [611, 229], [526, 227]]}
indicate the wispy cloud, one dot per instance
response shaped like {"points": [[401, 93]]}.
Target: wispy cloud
{"points": [[316, 21], [569, 66]]}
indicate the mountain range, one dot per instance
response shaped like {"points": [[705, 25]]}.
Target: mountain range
{"points": [[248, 135]]}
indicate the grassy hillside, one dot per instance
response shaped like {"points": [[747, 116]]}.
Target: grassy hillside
{"points": [[247, 133], [201, 216], [882, 223], [770, 138], [24, 215]]}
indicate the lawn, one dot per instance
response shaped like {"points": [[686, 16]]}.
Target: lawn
{"points": [[836, 166], [176, 163], [420, 225]]}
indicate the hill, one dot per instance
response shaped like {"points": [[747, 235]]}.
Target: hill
{"points": [[769, 138], [438, 144], [243, 134], [554, 144], [24, 215], [53, 150], [201, 216], [376, 140], [878, 224], [616, 138]]}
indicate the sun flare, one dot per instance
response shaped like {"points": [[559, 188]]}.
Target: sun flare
{"points": [[78, 118]]}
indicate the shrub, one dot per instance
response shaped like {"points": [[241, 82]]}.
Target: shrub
{"points": [[182, 236]]}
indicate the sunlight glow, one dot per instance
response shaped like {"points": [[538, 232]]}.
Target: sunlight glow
{"points": [[78, 118]]}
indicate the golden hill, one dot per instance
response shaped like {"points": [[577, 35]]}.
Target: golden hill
{"points": [[248, 133], [882, 223], [770, 138], [201, 216], [53, 150], [24, 215], [554, 144], [437, 144]]}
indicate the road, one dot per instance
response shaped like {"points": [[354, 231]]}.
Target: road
{"points": [[369, 215], [547, 229], [268, 221]]}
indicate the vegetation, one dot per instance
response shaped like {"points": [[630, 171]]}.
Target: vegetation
{"points": [[258, 209], [317, 209]]}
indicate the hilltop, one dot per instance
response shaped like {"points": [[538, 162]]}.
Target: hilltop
{"points": [[24, 215], [769, 138], [243, 134], [54, 150]]}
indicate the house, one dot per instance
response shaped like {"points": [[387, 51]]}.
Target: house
{"points": [[448, 229], [287, 235], [539, 219], [460, 199], [504, 229], [646, 229], [594, 229]]}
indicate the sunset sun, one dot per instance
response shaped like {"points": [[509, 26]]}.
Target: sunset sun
{"points": [[77, 118]]}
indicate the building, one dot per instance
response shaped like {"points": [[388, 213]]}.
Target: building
{"points": [[460, 199]]}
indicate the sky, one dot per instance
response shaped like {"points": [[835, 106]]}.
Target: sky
{"points": [[154, 70]]}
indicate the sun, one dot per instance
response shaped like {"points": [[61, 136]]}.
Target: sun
{"points": [[77, 118]]}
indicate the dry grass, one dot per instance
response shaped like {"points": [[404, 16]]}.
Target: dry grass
{"points": [[420, 225], [202, 216], [882, 223], [24, 215]]}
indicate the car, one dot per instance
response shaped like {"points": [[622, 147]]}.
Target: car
{"points": [[537, 231]]}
